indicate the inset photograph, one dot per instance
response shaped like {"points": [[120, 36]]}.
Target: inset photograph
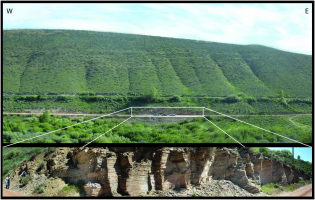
{"points": [[157, 172], [232, 73]]}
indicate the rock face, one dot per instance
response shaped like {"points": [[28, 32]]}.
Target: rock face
{"points": [[266, 172], [288, 173], [278, 173], [92, 189], [134, 171]]}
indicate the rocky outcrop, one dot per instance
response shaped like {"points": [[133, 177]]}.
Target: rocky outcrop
{"points": [[288, 173], [134, 171], [266, 171], [92, 189], [278, 173]]}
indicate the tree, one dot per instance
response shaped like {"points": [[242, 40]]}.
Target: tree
{"points": [[299, 157], [175, 98], [151, 94], [45, 117], [281, 94]]}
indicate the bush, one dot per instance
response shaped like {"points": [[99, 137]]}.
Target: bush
{"points": [[175, 98], [41, 164], [51, 149], [284, 102], [291, 188], [40, 189], [65, 97], [78, 187], [196, 195], [45, 117], [5, 172], [25, 180], [233, 99], [66, 190]]}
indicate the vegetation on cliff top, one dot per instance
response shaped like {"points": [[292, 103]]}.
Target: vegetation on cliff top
{"points": [[285, 156]]}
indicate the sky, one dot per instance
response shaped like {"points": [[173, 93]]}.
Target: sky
{"points": [[304, 152], [282, 26]]}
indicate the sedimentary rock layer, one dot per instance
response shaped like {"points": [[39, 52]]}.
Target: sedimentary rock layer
{"points": [[133, 171]]}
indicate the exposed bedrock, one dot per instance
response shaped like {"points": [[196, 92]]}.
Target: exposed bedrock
{"points": [[109, 171], [278, 173]]}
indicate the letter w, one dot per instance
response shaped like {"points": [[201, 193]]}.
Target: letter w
{"points": [[9, 10]]}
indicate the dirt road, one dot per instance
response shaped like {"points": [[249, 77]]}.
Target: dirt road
{"points": [[295, 123], [84, 114], [10, 193], [305, 191]]}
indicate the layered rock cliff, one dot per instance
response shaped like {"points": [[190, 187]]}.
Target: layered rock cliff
{"points": [[111, 171]]}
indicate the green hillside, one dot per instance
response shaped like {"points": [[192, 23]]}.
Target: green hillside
{"points": [[68, 62]]}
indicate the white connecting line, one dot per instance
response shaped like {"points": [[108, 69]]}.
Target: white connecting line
{"points": [[258, 127], [223, 131], [105, 133], [64, 128], [158, 107]]}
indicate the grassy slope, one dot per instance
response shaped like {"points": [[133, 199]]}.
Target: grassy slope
{"points": [[64, 61]]}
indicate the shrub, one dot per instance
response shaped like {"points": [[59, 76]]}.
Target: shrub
{"points": [[5, 172], [41, 164], [25, 180], [291, 188], [66, 190], [64, 97], [175, 98], [45, 117], [196, 195], [51, 149], [233, 99], [80, 186], [284, 102], [40, 189]]}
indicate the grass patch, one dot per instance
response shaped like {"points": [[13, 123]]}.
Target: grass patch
{"points": [[40, 189], [196, 195], [270, 189], [41, 164], [275, 188], [71, 189]]}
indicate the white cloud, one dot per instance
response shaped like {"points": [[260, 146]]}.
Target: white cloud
{"points": [[295, 43]]}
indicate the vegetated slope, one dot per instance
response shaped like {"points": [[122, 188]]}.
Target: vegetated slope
{"points": [[197, 130], [13, 156], [68, 61]]}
